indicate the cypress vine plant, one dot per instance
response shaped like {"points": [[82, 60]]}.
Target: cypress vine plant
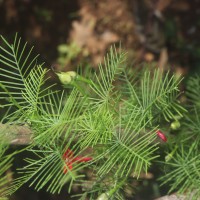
{"points": [[182, 163], [111, 123]]}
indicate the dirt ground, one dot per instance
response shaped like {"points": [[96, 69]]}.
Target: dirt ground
{"points": [[164, 31]]}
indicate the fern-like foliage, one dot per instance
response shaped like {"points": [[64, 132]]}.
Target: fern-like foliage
{"points": [[155, 94], [46, 170], [193, 88], [104, 188], [116, 126], [191, 122], [129, 149], [22, 79], [59, 117], [103, 84], [5, 164], [23, 85], [183, 172]]}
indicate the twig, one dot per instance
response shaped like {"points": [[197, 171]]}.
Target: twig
{"points": [[16, 134]]}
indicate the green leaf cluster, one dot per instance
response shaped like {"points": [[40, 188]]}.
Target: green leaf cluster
{"points": [[182, 166], [5, 164], [114, 122], [182, 172]]}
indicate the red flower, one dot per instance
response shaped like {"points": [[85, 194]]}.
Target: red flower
{"points": [[69, 158], [161, 135]]}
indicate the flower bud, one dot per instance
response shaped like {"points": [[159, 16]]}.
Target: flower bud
{"points": [[103, 196], [67, 77], [175, 125], [161, 135]]}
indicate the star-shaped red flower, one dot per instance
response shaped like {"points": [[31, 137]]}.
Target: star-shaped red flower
{"points": [[69, 158]]}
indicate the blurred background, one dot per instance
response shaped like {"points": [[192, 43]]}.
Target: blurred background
{"points": [[69, 33]]}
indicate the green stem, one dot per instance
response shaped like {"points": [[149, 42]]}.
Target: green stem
{"points": [[112, 191], [81, 78]]}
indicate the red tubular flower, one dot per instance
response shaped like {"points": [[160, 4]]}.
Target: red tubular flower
{"points": [[82, 159], [161, 135], [69, 158]]}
